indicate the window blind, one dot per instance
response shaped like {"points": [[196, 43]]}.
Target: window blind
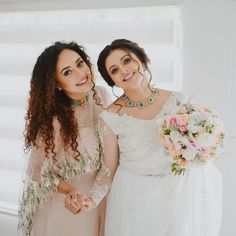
{"points": [[23, 36]]}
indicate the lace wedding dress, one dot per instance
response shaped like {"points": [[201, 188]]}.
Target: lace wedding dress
{"points": [[42, 211], [145, 198]]}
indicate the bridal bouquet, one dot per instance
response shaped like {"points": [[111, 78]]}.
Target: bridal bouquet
{"points": [[191, 135]]}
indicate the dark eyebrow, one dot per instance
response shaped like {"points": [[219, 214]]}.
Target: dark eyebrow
{"points": [[69, 66], [120, 60], [77, 60]]}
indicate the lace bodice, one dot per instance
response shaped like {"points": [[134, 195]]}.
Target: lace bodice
{"points": [[136, 143]]}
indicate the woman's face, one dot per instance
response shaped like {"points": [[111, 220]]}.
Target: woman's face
{"points": [[73, 74], [125, 69]]}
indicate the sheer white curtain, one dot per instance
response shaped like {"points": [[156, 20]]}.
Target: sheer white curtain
{"points": [[23, 36]]}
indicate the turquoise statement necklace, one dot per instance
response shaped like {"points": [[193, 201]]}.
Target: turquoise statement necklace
{"points": [[150, 100]]}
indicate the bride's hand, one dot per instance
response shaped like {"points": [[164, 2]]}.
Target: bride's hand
{"points": [[71, 201], [88, 203]]}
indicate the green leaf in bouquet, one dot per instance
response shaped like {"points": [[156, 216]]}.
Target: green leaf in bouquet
{"points": [[190, 108], [167, 132], [174, 127], [178, 102], [177, 170], [209, 129]]}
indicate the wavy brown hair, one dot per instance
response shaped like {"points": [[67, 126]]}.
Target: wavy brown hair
{"points": [[46, 102]]}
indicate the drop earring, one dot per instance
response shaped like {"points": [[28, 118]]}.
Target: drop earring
{"points": [[59, 88]]}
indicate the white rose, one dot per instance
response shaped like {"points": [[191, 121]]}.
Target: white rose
{"points": [[175, 136], [189, 154], [205, 140]]}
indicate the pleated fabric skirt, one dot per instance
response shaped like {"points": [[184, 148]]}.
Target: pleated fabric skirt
{"points": [[188, 205]]}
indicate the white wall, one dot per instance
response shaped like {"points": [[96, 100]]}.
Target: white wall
{"points": [[210, 73], [8, 224]]}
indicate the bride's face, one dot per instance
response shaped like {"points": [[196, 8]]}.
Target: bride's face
{"points": [[125, 69]]}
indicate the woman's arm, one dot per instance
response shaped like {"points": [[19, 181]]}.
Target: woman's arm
{"points": [[65, 187], [109, 163]]}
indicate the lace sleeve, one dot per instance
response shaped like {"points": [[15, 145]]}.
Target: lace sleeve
{"points": [[40, 181], [109, 163]]}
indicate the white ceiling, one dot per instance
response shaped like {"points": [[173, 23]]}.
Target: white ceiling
{"points": [[29, 5]]}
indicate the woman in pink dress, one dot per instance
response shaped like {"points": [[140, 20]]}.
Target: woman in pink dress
{"points": [[65, 151]]}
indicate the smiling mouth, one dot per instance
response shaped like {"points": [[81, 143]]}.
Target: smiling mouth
{"points": [[129, 77], [82, 82]]}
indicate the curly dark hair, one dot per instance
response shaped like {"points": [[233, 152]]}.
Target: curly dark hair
{"points": [[125, 45], [46, 102]]}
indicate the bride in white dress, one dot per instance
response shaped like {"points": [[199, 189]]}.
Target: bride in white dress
{"points": [[145, 197]]}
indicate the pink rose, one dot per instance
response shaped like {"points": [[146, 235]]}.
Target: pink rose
{"points": [[173, 121], [183, 128]]}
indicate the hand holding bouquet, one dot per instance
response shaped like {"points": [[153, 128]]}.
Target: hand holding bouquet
{"points": [[191, 135]]}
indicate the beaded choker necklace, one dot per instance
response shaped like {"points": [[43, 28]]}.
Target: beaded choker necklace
{"points": [[81, 102], [150, 100]]}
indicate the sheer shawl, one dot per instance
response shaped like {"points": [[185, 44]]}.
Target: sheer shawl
{"points": [[44, 174]]}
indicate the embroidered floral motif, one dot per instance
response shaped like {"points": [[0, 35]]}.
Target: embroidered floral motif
{"points": [[104, 177], [37, 193]]}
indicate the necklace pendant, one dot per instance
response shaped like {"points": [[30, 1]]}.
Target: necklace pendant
{"points": [[151, 100], [130, 103], [141, 105]]}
